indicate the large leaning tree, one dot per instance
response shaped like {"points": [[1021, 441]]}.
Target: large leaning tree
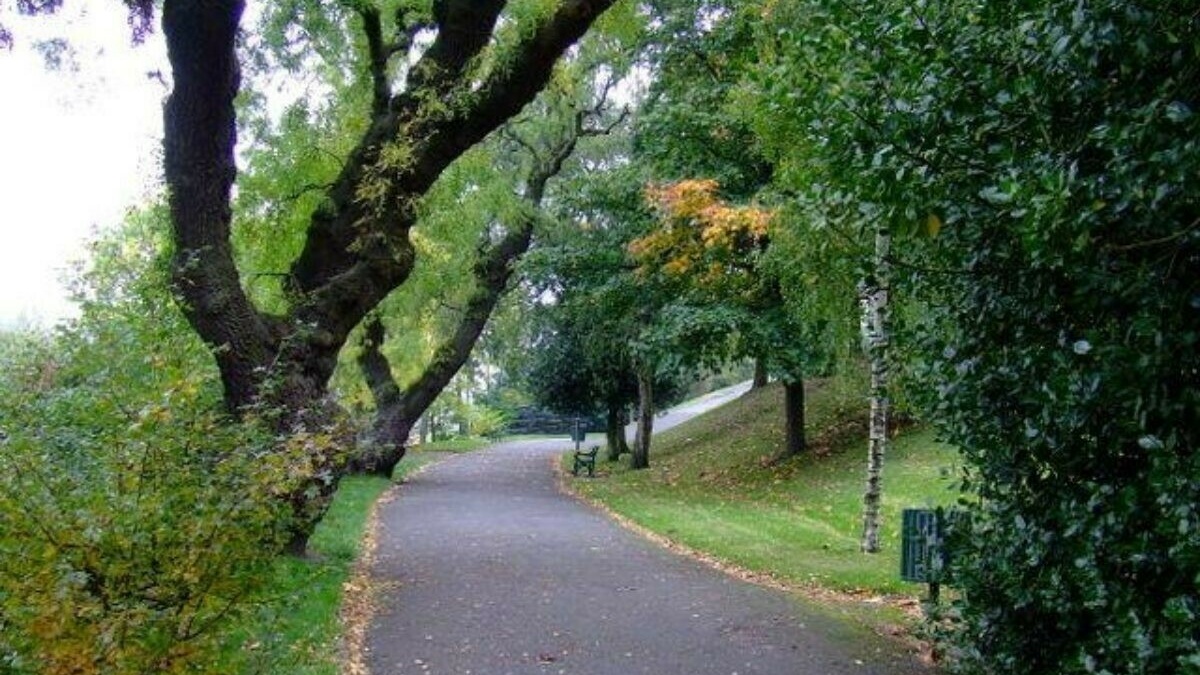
{"points": [[357, 248], [541, 149], [475, 72]]}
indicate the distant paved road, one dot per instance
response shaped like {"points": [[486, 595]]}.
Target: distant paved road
{"points": [[685, 411], [489, 570]]}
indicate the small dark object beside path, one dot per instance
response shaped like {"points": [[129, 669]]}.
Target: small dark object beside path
{"points": [[585, 460]]}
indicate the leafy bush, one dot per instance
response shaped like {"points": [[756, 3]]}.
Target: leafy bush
{"points": [[136, 519], [1048, 154], [487, 422], [124, 549], [1070, 380]]}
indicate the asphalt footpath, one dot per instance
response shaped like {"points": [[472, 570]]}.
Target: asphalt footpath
{"points": [[486, 568]]}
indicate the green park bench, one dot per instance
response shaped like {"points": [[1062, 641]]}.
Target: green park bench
{"points": [[585, 460]]}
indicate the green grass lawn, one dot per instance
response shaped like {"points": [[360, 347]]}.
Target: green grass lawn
{"points": [[713, 487], [296, 630]]}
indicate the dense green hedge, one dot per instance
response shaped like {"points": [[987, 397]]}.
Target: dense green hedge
{"points": [[1044, 158], [1070, 375]]}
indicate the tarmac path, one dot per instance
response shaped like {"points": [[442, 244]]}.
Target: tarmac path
{"points": [[488, 569]]}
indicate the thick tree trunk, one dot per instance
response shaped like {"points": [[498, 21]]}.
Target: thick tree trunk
{"points": [[200, 133], [396, 411], [640, 458], [199, 138], [877, 338], [793, 404], [615, 431], [356, 250], [760, 374]]}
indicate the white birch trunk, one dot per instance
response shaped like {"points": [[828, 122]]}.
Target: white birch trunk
{"points": [[876, 337]]}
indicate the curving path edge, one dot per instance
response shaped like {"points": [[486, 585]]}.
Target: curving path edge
{"points": [[487, 569]]}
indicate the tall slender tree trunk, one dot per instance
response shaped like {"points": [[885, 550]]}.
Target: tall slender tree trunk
{"points": [[645, 424], [615, 431], [793, 404], [760, 374], [876, 341]]}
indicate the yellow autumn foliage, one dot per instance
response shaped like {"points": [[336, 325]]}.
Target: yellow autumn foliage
{"points": [[700, 236]]}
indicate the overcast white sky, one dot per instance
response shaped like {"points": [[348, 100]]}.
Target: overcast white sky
{"points": [[76, 149]]}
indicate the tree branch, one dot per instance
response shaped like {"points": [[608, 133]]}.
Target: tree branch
{"points": [[492, 273], [509, 133], [378, 55], [374, 365], [199, 141], [1155, 242], [464, 28], [357, 252], [606, 130]]}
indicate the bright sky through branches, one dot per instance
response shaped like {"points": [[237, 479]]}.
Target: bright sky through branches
{"points": [[77, 148]]}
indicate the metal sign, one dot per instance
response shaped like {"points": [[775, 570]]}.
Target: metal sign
{"points": [[922, 557]]}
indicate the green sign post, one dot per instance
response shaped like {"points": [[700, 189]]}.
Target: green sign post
{"points": [[922, 554]]}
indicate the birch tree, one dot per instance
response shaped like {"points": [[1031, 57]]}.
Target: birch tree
{"points": [[876, 340]]}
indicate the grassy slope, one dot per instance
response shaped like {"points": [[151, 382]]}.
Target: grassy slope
{"points": [[712, 487]]}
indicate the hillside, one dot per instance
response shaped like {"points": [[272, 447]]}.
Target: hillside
{"points": [[713, 487]]}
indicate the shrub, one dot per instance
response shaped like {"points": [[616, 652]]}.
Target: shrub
{"points": [[486, 422], [136, 518], [1069, 374], [1042, 158], [126, 550]]}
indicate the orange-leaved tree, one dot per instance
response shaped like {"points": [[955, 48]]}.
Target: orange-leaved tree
{"points": [[702, 243], [714, 255]]}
